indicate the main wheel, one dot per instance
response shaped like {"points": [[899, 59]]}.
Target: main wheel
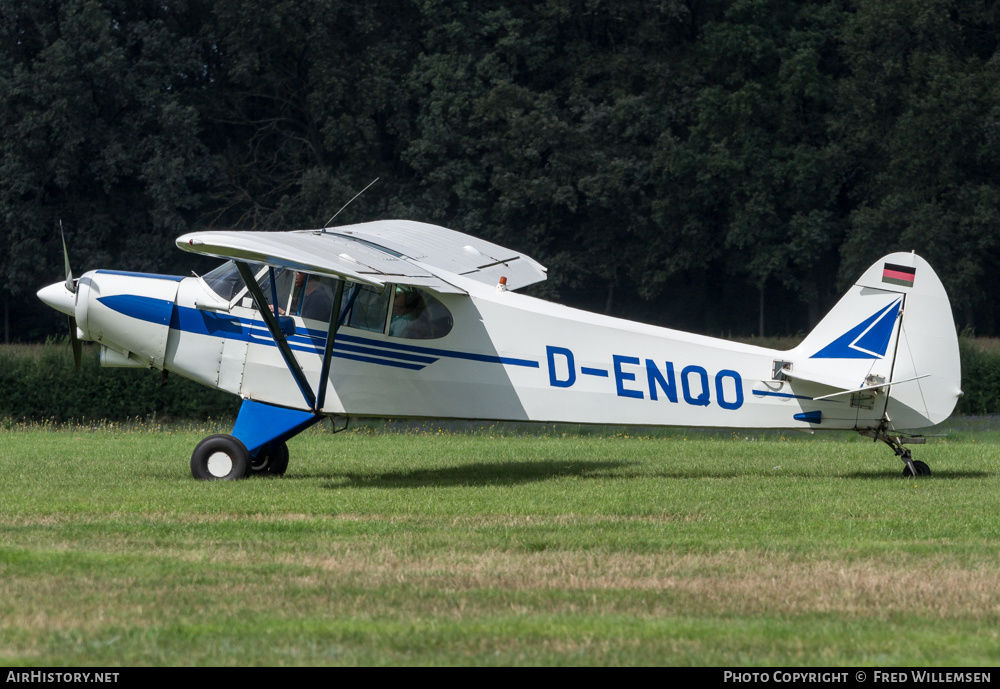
{"points": [[921, 467], [220, 458], [271, 460]]}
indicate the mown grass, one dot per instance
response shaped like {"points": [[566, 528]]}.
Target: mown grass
{"points": [[483, 544]]}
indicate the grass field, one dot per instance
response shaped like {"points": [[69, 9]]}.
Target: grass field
{"points": [[485, 545]]}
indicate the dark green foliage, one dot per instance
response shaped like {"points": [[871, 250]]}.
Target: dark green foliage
{"points": [[38, 383], [919, 111], [721, 166], [980, 379]]}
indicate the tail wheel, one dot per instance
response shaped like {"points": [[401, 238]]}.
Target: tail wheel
{"points": [[271, 460], [921, 467], [220, 458]]}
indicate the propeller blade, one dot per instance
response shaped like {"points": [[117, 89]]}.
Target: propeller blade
{"points": [[75, 342], [69, 272]]}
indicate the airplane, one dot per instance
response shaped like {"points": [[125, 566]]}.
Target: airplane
{"points": [[429, 323]]}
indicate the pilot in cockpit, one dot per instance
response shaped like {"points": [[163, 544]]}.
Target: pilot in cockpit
{"points": [[314, 299], [408, 309]]}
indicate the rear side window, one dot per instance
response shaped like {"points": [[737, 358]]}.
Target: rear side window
{"points": [[418, 315]]}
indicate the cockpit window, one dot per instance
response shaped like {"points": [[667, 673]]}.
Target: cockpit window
{"points": [[369, 309], [226, 281], [418, 315], [312, 297], [284, 286], [298, 294]]}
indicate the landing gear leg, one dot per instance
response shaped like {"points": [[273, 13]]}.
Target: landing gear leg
{"points": [[257, 445], [913, 467]]}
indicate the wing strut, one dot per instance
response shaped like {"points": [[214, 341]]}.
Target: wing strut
{"points": [[279, 337], [335, 317], [318, 399]]}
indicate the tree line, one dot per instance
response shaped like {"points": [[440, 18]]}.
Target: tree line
{"points": [[727, 167]]}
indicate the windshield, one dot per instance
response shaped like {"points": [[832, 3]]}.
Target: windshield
{"points": [[228, 284], [226, 281]]}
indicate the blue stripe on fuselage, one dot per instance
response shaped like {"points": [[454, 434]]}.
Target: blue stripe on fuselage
{"points": [[147, 309], [352, 347], [786, 395], [488, 358]]}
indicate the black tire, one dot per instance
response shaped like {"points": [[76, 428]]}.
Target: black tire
{"points": [[921, 467], [271, 460], [220, 458]]}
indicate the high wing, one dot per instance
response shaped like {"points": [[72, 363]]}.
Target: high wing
{"points": [[376, 253]]}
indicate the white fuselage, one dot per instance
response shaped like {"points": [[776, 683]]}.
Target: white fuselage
{"points": [[508, 357]]}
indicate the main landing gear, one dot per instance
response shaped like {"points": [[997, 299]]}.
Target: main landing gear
{"points": [[913, 467], [256, 447], [225, 458]]}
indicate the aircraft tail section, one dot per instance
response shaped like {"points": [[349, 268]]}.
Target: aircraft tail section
{"points": [[891, 335]]}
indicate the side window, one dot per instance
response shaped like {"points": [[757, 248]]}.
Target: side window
{"points": [[312, 297], [369, 310], [418, 315], [299, 294], [283, 282]]}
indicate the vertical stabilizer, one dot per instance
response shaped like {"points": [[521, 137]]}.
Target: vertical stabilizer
{"points": [[894, 324], [927, 347]]}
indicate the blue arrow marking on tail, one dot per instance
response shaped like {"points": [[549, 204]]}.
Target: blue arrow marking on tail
{"points": [[869, 339]]}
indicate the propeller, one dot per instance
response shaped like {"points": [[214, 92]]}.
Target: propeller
{"points": [[71, 286]]}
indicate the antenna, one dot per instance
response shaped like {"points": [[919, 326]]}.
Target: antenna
{"points": [[349, 203]]}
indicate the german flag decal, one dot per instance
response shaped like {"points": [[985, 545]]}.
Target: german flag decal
{"points": [[898, 275]]}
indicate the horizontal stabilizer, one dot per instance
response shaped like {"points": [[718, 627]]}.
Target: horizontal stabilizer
{"points": [[816, 377], [871, 388]]}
